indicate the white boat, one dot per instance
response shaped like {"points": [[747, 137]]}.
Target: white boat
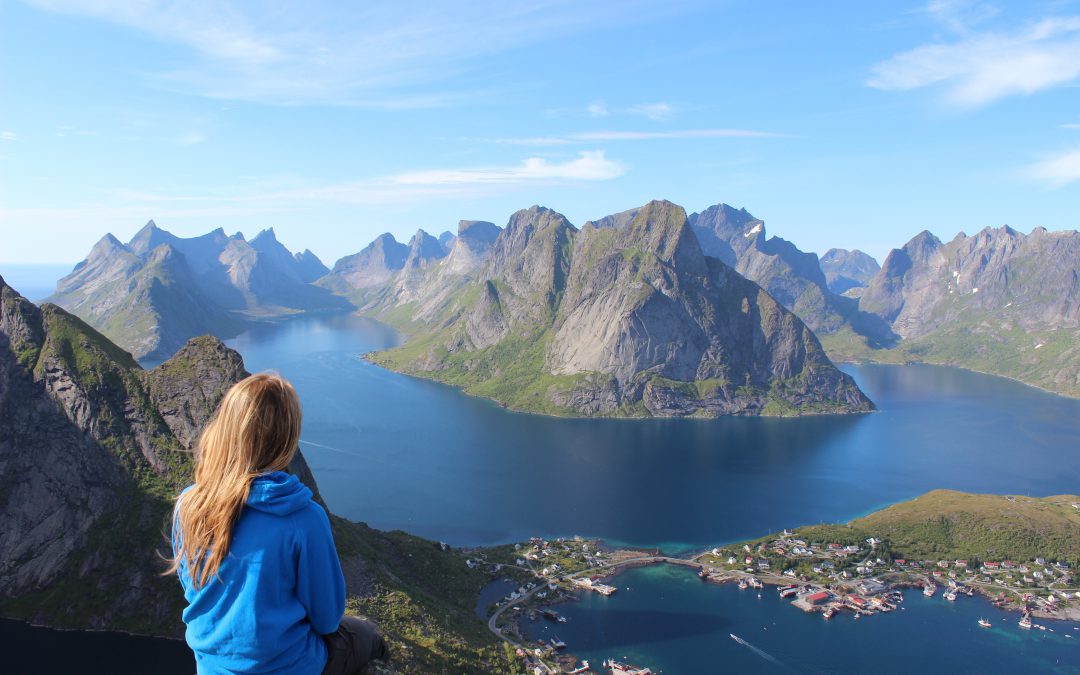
{"points": [[1025, 622], [951, 596], [984, 623], [929, 590]]}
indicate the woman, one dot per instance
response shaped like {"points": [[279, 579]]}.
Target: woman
{"points": [[255, 554]]}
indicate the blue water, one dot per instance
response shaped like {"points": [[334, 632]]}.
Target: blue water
{"points": [[666, 618], [30, 650], [401, 452]]}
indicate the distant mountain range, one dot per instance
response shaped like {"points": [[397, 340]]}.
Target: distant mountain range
{"points": [[1000, 302], [159, 290]]}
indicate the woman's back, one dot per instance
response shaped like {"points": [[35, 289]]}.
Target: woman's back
{"points": [[278, 590]]}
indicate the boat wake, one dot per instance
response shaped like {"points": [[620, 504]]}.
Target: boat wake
{"points": [[763, 654]]}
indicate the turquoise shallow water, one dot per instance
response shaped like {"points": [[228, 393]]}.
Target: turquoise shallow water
{"points": [[668, 619]]}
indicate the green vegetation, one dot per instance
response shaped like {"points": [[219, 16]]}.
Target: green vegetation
{"points": [[511, 372], [948, 524], [422, 597]]}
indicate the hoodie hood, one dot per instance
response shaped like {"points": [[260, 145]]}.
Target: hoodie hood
{"points": [[278, 493]]}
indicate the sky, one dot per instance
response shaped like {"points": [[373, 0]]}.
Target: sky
{"points": [[847, 124]]}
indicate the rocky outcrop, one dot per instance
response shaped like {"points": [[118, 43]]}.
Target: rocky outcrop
{"points": [[627, 316], [159, 290], [88, 464], [93, 449], [845, 270]]}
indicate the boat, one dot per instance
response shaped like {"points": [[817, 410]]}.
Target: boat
{"points": [[552, 615], [929, 590], [556, 643], [984, 623], [1025, 621], [829, 613], [788, 591], [703, 574], [858, 614], [583, 668], [743, 584], [951, 596]]}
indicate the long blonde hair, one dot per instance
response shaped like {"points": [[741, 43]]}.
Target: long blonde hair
{"points": [[255, 431]]}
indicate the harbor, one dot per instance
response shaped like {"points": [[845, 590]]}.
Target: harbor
{"points": [[829, 579]]}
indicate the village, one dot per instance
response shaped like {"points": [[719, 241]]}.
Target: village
{"points": [[859, 579], [865, 578]]}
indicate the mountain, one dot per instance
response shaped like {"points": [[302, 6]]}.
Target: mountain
{"points": [[92, 450], [308, 266], [1000, 302], [624, 317], [158, 290], [793, 277], [370, 268], [845, 270]]}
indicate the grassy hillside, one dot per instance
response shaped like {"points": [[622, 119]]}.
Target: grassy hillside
{"points": [[949, 524]]}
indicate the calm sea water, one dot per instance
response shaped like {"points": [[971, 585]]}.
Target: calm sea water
{"points": [[401, 452], [666, 618], [29, 650]]}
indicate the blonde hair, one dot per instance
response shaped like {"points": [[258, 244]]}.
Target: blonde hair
{"points": [[255, 431]]}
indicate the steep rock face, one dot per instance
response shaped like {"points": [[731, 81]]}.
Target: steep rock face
{"points": [[471, 246], [88, 467], [791, 276], [625, 317], [309, 267], [999, 301], [428, 279], [424, 249], [371, 267], [159, 290], [845, 269]]}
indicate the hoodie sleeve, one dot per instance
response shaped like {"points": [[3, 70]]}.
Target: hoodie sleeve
{"points": [[320, 585]]}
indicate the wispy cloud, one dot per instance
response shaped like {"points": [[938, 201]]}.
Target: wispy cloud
{"points": [[597, 109], [1071, 125], [1057, 171], [587, 167], [960, 15], [409, 187], [373, 54], [654, 111], [980, 67], [8, 136], [594, 136]]}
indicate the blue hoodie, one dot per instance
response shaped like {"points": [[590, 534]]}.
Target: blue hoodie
{"points": [[277, 591]]}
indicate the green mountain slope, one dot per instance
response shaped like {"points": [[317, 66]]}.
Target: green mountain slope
{"points": [[92, 450]]}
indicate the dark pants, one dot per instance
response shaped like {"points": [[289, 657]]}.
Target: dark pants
{"points": [[352, 646]]}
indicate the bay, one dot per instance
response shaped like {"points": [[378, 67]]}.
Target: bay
{"points": [[405, 453], [666, 618]]}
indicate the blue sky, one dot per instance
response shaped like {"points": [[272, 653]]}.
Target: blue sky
{"points": [[841, 124]]}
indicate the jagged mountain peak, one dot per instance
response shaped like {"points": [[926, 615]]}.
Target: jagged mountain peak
{"points": [[266, 235]]}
